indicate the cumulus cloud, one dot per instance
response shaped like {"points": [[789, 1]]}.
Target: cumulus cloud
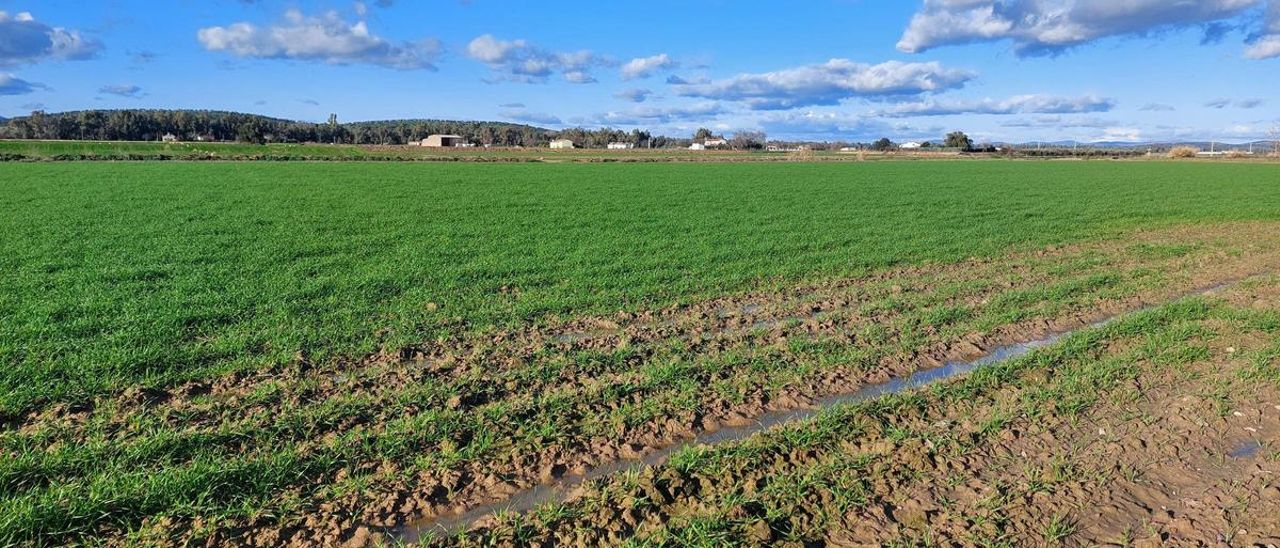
{"points": [[644, 67], [636, 95], [122, 90], [1040, 27], [325, 38], [25, 40], [520, 61], [1266, 45], [1021, 104], [12, 85], [637, 116], [829, 83]]}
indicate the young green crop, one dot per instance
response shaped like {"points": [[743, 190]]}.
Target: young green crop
{"points": [[151, 274], [126, 274]]}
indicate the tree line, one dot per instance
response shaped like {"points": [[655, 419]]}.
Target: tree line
{"points": [[212, 125]]}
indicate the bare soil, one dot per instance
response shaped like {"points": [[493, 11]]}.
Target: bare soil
{"points": [[1180, 447]]}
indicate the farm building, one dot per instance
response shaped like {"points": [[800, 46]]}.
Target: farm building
{"points": [[169, 138], [561, 143], [713, 143], [697, 146], [910, 145], [441, 141], [621, 146]]}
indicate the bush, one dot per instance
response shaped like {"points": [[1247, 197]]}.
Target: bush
{"points": [[1184, 152], [1237, 154]]}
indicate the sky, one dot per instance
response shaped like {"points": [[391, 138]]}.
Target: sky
{"points": [[1001, 70]]}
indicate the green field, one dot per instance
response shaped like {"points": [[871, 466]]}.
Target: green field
{"points": [[126, 276]]}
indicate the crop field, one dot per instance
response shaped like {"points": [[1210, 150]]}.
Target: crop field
{"points": [[257, 353]]}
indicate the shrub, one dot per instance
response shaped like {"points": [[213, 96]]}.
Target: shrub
{"points": [[1237, 154], [1183, 152]]}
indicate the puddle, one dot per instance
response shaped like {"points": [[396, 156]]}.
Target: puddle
{"points": [[1246, 450], [560, 489]]}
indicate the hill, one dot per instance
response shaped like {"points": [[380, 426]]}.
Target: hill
{"points": [[215, 125]]}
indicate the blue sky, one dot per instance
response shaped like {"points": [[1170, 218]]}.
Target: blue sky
{"points": [[817, 69]]}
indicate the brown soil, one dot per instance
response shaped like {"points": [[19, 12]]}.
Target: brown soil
{"points": [[1182, 448]]}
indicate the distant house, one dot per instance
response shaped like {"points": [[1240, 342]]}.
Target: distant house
{"points": [[169, 138], [621, 146], [561, 143], [910, 145], [441, 141], [714, 143], [697, 146]]}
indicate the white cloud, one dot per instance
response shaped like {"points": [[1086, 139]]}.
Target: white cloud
{"points": [[1021, 104], [1267, 43], [644, 67], [123, 90], [1267, 47], [12, 85], [25, 40], [1039, 27], [829, 83], [326, 38], [1157, 107], [634, 95], [660, 115], [520, 61]]}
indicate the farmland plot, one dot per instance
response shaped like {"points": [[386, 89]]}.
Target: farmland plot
{"points": [[260, 353]]}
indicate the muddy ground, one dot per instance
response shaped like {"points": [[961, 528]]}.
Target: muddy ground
{"points": [[434, 430], [1160, 429]]}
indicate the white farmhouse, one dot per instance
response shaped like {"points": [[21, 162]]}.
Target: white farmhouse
{"points": [[697, 146], [561, 143], [910, 145], [621, 146]]}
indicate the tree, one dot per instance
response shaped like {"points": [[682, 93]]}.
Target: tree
{"points": [[703, 134], [882, 145], [957, 139], [747, 140]]}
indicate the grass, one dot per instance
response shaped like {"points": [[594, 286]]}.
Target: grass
{"points": [[117, 276], [145, 274]]}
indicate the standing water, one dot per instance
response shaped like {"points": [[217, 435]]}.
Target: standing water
{"points": [[560, 489]]}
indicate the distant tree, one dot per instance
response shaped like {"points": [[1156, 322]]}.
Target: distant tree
{"points": [[882, 145], [957, 139], [747, 140], [703, 134]]}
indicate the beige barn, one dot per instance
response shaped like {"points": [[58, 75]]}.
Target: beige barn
{"points": [[442, 141]]}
